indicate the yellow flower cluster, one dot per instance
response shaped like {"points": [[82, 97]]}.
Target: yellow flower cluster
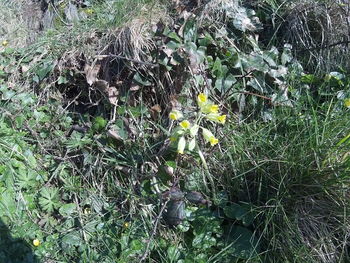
{"points": [[185, 134], [210, 109]]}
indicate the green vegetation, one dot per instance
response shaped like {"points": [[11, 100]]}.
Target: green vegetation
{"points": [[145, 131]]}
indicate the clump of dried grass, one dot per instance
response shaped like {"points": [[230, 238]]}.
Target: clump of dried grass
{"points": [[319, 32], [135, 39], [324, 228], [13, 26]]}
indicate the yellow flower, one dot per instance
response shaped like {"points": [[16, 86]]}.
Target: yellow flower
{"points": [[89, 11], [36, 242], [214, 108], [202, 98], [4, 43], [213, 141], [181, 145], [175, 115], [209, 108], [222, 119], [126, 224], [185, 124], [347, 103], [209, 137]]}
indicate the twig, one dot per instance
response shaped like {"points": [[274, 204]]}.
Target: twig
{"points": [[145, 254]]}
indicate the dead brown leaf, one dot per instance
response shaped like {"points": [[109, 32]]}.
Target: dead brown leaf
{"points": [[113, 95], [91, 73], [114, 135], [155, 110]]}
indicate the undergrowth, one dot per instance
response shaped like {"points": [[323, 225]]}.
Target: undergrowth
{"points": [[101, 158]]}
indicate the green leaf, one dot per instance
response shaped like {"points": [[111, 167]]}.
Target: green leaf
{"points": [[44, 70], [141, 80], [217, 68], [286, 56], [71, 239], [99, 123], [62, 80], [206, 40], [344, 140], [49, 199], [30, 158], [234, 211], [190, 30], [67, 209], [174, 36], [171, 164], [173, 253], [204, 240], [241, 241]]}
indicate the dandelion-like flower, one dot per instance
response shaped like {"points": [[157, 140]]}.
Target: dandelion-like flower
{"points": [[36, 242], [4, 43]]}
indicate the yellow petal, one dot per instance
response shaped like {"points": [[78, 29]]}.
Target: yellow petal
{"points": [[36, 242], [4, 43], [213, 141], [214, 108], [175, 115], [347, 103], [185, 124], [202, 98], [222, 119]]}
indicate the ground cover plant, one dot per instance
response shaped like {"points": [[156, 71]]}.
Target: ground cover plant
{"points": [[145, 131]]}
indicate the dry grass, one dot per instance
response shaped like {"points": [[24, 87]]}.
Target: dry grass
{"points": [[20, 21], [325, 231], [319, 32]]}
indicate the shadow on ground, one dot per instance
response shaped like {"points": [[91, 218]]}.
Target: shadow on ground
{"points": [[14, 250]]}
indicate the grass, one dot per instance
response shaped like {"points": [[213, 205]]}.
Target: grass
{"points": [[94, 189], [281, 168], [14, 25]]}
